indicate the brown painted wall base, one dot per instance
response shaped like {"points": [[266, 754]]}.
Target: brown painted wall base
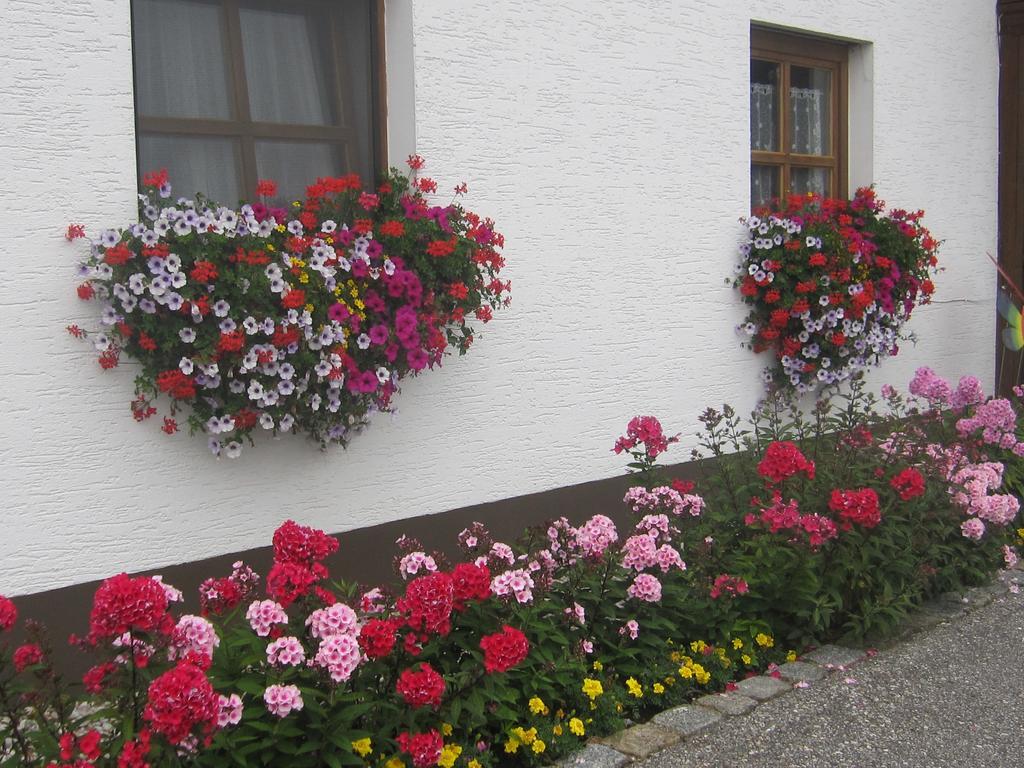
{"points": [[365, 554]]}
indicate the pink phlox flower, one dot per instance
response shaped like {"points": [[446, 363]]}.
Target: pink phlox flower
{"points": [[632, 628], [193, 634], [596, 535], [282, 699], [263, 614], [646, 588], [230, 710], [929, 385], [968, 392], [641, 552], [339, 655], [668, 557], [973, 528], [414, 562], [337, 619], [286, 652], [517, 583]]}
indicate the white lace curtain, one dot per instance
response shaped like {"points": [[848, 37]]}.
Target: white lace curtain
{"points": [[807, 113]]}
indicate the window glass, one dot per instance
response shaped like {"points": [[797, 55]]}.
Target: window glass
{"points": [[287, 66], [294, 165], [804, 180], [764, 111], [207, 164], [764, 184], [810, 101], [180, 61]]}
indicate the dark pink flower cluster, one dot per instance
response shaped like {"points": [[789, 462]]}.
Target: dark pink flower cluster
{"points": [[504, 650], [858, 506], [181, 703], [470, 582], [421, 687], [783, 460], [8, 614], [423, 748], [786, 516], [218, 596], [125, 604], [298, 552], [727, 585], [645, 430], [909, 484], [428, 603]]}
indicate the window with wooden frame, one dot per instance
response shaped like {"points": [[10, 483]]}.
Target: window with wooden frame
{"points": [[798, 122], [231, 91]]}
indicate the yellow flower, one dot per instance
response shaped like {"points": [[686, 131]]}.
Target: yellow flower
{"points": [[685, 672], [446, 729], [362, 747], [592, 688], [700, 674], [687, 661], [449, 754], [746, 659], [670, 681], [474, 763], [296, 204], [394, 762], [270, 247], [618, 706], [658, 688], [526, 737], [557, 730], [675, 657], [304, 277], [737, 643], [698, 646], [791, 656], [598, 665], [634, 687], [308, 307], [765, 641], [512, 746], [359, 304], [576, 726], [279, 227], [559, 713], [538, 746], [537, 706]]}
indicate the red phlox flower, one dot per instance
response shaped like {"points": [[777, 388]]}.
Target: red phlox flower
{"points": [[858, 506], [377, 637], [504, 650], [909, 484], [470, 582], [27, 655], [423, 748], [782, 460], [296, 543], [727, 585], [125, 604], [428, 603], [95, 680], [288, 581], [421, 688], [181, 703]]}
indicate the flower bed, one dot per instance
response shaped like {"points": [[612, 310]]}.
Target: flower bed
{"points": [[830, 284], [276, 320], [808, 528]]}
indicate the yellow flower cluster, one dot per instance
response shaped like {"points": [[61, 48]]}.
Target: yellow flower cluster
{"points": [[362, 747], [538, 707], [592, 688], [635, 689], [522, 737], [765, 641], [576, 727], [449, 754], [690, 670]]}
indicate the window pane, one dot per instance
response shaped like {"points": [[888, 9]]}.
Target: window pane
{"points": [[764, 184], [294, 165], [810, 101], [288, 65], [816, 180], [180, 68], [764, 112], [209, 165]]}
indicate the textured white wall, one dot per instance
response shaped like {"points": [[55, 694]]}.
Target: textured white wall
{"points": [[610, 142]]}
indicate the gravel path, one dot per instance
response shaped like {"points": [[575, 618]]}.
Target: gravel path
{"points": [[949, 697]]}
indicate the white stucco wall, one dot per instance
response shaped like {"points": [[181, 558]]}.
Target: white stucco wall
{"points": [[610, 142]]}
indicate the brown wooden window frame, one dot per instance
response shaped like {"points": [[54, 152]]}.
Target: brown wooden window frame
{"points": [[788, 50], [247, 131]]}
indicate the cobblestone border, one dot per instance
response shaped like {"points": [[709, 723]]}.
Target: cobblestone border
{"points": [[682, 723]]}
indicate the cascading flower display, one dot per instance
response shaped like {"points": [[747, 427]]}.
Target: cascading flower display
{"points": [[304, 319], [831, 283]]}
